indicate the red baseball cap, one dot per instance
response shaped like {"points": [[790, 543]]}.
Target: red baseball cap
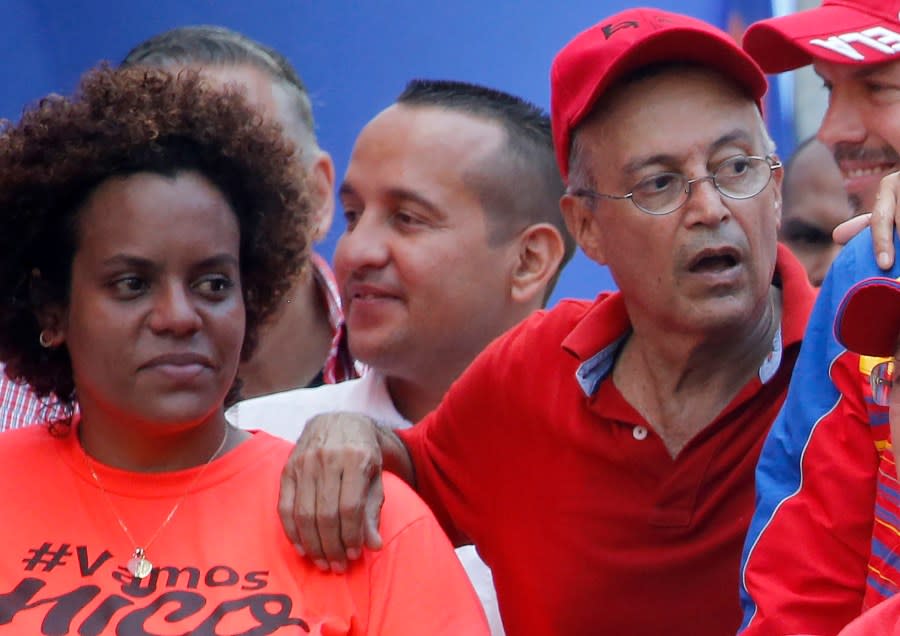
{"points": [[839, 31], [868, 318], [625, 42]]}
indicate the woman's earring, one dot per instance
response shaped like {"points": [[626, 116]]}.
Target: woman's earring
{"points": [[45, 339]]}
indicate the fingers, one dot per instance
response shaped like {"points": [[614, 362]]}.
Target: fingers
{"points": [[885, 217], [374, 502], [356, 489], [850, 228], [297, 505], [308, 510], [327, 484], [286, 496], [325, 545]]}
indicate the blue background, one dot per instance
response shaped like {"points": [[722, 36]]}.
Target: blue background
{"points": [[355, 57]]}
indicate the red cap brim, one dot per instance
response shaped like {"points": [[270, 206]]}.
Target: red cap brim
{"points": [[868, 319], [795, 40]]}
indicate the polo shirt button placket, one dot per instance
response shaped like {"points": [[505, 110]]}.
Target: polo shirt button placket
{"points": [[639, 433]]}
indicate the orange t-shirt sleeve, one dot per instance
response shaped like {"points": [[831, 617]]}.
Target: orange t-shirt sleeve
{"points": [[417, 584]]}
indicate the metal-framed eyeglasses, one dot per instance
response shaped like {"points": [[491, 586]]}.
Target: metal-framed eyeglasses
{"points": [[740, 177], [881, 378]]}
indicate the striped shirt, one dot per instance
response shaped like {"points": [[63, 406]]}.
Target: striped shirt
{"points": [[19, 406], [339, 365]]}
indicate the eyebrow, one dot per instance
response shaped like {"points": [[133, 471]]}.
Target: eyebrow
{"points": [[402, 194], [138, 262], [728, 138]]}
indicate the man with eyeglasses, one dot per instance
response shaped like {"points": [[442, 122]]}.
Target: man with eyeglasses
{"points": [[600, 455], [740, 177]]}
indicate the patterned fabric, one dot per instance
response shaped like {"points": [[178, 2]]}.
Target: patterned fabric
{"points": [[20, 407], [340, 365], [883, 579]]}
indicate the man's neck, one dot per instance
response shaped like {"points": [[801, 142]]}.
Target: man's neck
{"points": [[681, 384], [293, 346], [414, 400], [417, 391]]}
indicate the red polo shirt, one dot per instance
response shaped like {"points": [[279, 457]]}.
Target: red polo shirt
{"points": [[588, 523]]}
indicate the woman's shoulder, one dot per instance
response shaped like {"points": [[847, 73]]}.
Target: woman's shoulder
{"points": [[31, 450], [402, 508], [35, 435]]}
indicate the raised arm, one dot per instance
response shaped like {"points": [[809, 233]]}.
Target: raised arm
{"points": [[331, 488]]}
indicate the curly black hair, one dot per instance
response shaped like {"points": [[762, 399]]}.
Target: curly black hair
{"points": [[120, 122]]}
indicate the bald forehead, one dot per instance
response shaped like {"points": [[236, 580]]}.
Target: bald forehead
{"points": [[420, 131], [813, 168], [260, 88], [268, 95]]}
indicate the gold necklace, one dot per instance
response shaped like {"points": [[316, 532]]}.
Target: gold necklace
{"points": [[139, 565]]}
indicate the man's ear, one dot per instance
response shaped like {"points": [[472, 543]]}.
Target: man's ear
{"points": [[583, 226], [540, 250], [320, 181]]}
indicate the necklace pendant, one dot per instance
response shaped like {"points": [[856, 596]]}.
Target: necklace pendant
{"points": [[138, 565]]}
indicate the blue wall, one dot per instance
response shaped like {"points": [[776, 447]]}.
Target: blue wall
{"points": [[354, 56]]}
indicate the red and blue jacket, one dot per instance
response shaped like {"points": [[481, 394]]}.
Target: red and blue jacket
{"points": [[823, 543]]}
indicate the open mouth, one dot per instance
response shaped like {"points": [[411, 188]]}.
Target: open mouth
{"points": [[713, 261]]}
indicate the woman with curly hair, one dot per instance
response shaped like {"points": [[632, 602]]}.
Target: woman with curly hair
{"points": [[148, 226]]}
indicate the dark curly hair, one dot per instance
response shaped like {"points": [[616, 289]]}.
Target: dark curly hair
{"points": [[120, 122]]}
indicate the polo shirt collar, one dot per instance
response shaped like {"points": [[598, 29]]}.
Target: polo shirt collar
{"points": [[598, 337]]}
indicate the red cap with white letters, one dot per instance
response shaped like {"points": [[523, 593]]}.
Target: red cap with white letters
{"points": [[857, 32]]}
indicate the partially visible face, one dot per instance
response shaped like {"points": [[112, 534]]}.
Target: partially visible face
{"points": [[156, 318], [273, 101], [709, 264], [420, 281], [815, 202], [862, 124]]}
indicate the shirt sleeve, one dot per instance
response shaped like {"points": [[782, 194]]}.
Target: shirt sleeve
{"points": [[417, 584], [804, 564], [461, 480]]}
